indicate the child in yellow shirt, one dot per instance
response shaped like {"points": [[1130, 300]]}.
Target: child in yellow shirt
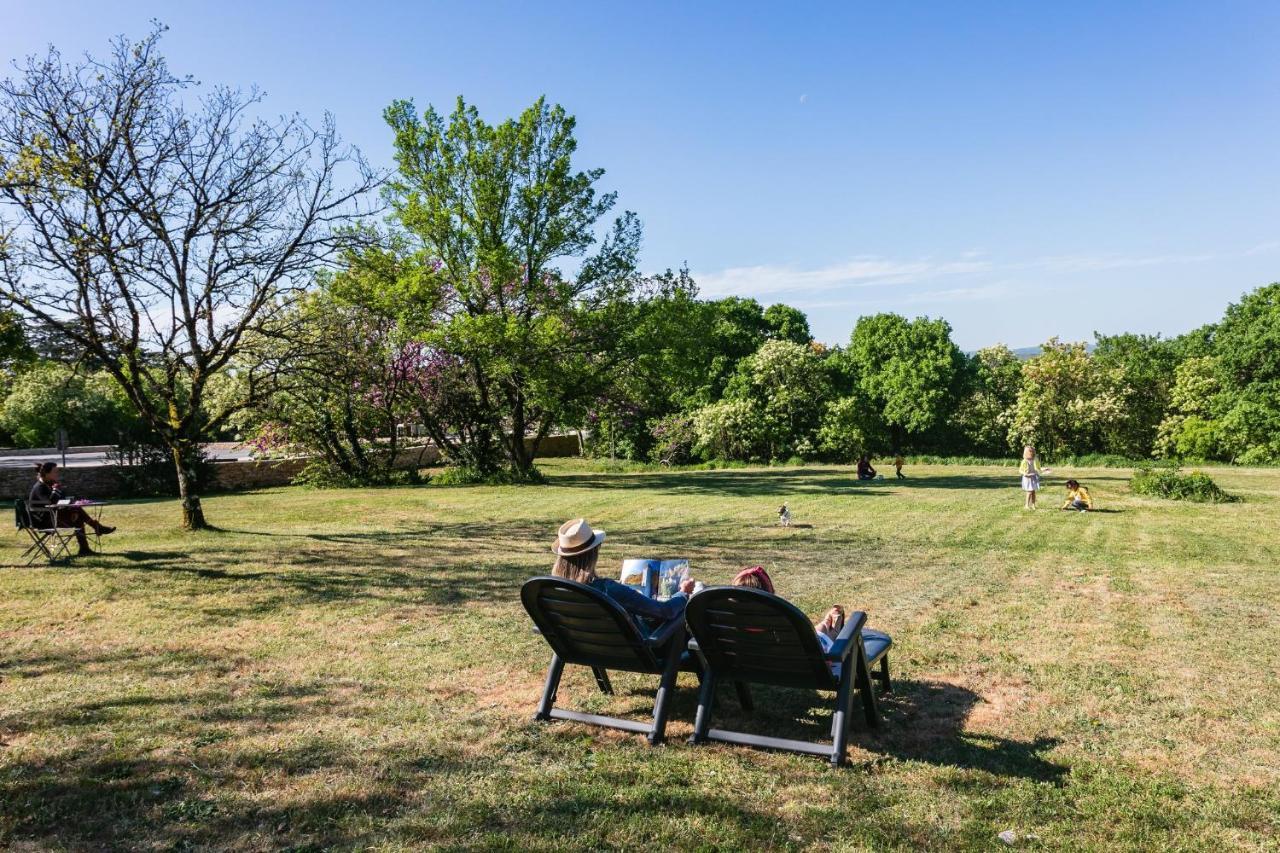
{"points": [[1077, 497], [1031, 473]]}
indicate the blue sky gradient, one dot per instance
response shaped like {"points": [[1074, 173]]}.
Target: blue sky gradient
{"points": [[1022, 170]]}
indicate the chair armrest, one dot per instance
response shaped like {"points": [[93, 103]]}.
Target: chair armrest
{"points": [[843, 644], [661, 636]]}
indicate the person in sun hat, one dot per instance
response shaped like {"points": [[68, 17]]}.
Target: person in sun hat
{"points": [[577, 549]]}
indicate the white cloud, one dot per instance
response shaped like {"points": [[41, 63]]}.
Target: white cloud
{"points": [[859, 272], [804, 99]]}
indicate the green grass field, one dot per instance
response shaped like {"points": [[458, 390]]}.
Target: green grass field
{"points": [[352, 669]]}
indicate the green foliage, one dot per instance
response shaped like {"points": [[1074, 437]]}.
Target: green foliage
{"points": [[1189, 428], [488, 212], [674, 438], [1064, 401], [1172, 484], [50, 396], [14, 349], [985, 414], [730, 429], [786, 323], [1141, 369], [339, 399], [909, 370], [786, 386], [849, 428]]}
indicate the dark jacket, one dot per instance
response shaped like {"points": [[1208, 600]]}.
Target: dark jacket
{"points": [[42, 494]]}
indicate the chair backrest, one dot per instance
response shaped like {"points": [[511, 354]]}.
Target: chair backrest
{"points": [[21, 516], [584, 626], [751, 635]]}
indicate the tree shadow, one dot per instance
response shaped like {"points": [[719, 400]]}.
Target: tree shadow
{"points": [[741, 483]]}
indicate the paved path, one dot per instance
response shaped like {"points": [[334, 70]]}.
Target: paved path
{"points": [[222, 451]]}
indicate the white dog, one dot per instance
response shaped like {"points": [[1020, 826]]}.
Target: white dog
{"points": [[784, 516]]}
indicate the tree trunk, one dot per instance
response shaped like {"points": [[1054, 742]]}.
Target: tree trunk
{"points": [[192, 513]]}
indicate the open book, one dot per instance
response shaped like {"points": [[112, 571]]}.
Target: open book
{"points": [[658, 579]]}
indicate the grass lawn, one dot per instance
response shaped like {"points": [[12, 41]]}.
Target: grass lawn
{"points": [[353, 669]]}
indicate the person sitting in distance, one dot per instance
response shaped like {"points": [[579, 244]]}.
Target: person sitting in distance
{"points": [[865, 471], [47, 491], [577, 549]]}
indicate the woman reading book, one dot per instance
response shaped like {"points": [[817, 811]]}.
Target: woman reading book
{"points": [[577, 550], [46, 492]]}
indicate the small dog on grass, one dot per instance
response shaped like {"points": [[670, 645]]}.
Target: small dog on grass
{"points": [[784, 516]]}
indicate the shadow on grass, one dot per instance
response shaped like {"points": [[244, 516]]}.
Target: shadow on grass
{"points": [[923, 721], [200, 792], [423, 563]]}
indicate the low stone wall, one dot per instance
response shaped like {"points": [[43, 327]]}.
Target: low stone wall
{"points": [[102, 481]]}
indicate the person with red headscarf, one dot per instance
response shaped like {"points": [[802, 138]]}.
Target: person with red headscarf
{"points": [[827, 630]]}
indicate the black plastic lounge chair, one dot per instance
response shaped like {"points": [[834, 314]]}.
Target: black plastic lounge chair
{"points": [[47, 539], [585, 627], [748, 635]]}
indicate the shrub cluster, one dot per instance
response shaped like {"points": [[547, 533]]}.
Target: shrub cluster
{"points": [[1172, 484]]}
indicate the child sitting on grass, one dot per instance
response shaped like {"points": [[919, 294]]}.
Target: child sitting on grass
{"points": [[1077, 497]]}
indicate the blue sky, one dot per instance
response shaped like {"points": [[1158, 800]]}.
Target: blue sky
{"points": [[1021, 169]]}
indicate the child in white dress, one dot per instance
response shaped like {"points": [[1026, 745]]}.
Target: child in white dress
{"points": [[1031, 473]]}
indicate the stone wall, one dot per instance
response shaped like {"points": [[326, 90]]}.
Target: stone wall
{"points": [[102, 481]]}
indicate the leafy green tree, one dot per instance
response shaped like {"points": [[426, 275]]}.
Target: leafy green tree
{"points": [[787, 387], [14, 349], [1064, 401], [1143, 366], [910, 372], [157, 232], [786, 323], [986, 412], [1247, 346], [51, 396], [1190, 428], [730, 429], [343, 388], [488, 213]]}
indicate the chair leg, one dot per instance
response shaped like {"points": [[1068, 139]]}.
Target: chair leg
{"points": [[554, 672], [666, 689], [840, 719], [869, 706], [744, 696], [706, 697], [602, 680], [886, 684]]}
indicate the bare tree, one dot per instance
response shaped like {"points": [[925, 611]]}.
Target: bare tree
{"points": [[163, 232]]}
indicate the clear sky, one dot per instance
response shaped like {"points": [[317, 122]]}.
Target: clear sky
{"points": [[1021, 169]]}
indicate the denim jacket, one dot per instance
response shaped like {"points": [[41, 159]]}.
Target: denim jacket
{"points": [[641, 606]]}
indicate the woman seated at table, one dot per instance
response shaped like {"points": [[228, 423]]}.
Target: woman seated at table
{"points": [[47, 491], [865, 471], [577, 549]]}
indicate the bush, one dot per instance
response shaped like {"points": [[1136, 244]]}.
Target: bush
{"points": [[1170, 483], [673, 439]]}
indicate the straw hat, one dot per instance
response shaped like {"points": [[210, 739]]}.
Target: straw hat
{"points": [[576, 537]]}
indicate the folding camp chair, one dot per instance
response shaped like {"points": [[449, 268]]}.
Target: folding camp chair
{"points": [[585, 627], [751, 636], [47, 539]]}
